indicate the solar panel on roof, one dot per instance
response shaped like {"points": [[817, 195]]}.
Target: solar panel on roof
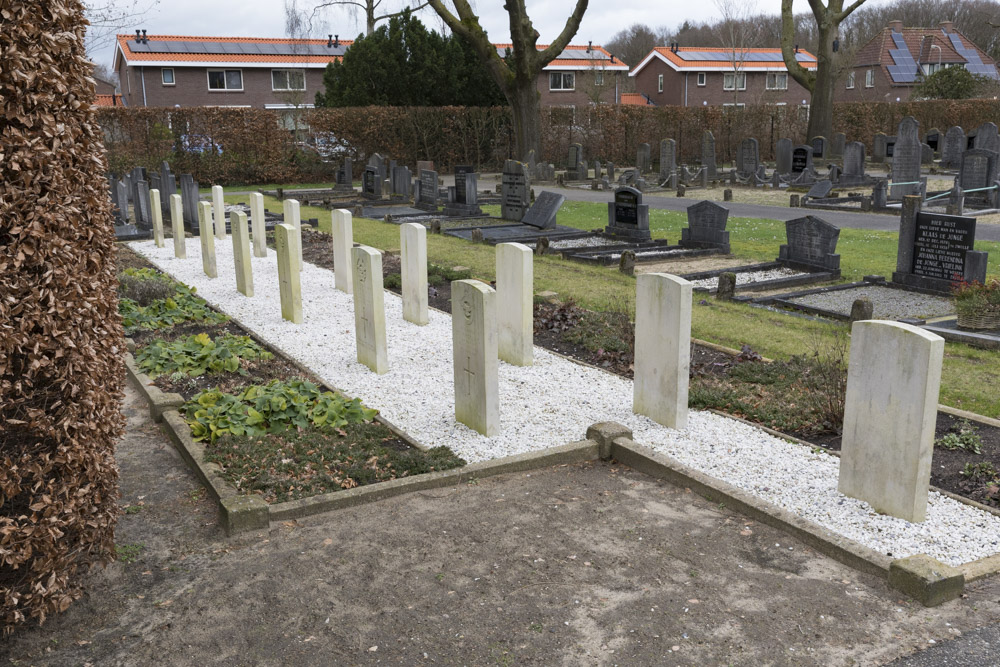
{"points": [[974, 63], [905, 68]]}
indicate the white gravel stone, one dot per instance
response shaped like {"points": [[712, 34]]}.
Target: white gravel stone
{"points": [[887, 303], [587, 242], [746, 277], [553, 402]]}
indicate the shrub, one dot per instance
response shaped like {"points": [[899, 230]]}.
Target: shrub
{"points": [[166, 302], [196, 355], [976, 298]]}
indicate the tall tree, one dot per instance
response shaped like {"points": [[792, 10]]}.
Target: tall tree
{"points": [[517, 75], [820, 83], [373, 11], [738, 33]]}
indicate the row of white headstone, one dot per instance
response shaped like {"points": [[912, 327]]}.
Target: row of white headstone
{"points": [[894, 370]]}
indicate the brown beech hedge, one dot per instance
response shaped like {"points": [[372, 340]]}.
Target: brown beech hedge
{"points": [[61, 344]]}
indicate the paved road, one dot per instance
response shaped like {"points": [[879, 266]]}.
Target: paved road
{"points": [[879, 221], [974, 649]]}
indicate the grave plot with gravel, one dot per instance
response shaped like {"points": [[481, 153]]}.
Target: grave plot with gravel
{"points": [[888, 303], [747, 277], [553, 402]]}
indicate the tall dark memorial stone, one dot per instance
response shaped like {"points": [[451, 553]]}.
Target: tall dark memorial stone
{"points": [[935, 250], [371, 183], [906, 159], [802, 159], [708, 154], [515, 191], [748, 159], [783, 156], [628, 217], [345, 176], [706, 227], [427, 197], [466, 197], [819, 148], [189, 202]]}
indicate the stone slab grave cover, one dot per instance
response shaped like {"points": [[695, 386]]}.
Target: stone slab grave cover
{"points": [[708, 154], [820, 189], [475, 356], [668, 158], [369, 309], [811, 244], [189, 201], [643, 158], [662, 348], [936, 249], [515, 307], [542, 213], [289, 273], [628, 217], [241, 253], [954, 146], [748, 159], [854, 164], [802, 159], [906, 159], [371, 183], [706, 227], [783, 156], [515, 191], [413, 271], [819, 147], [978, 169], [428, 197], [890, 410]]}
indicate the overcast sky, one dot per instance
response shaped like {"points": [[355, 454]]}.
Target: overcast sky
{"points": [[265, 18]]}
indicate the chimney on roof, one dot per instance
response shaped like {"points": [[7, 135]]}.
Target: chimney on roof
{"points": [[896, 26], [612, 59], [144, 40], [946, 27], [329, 40], [796, 48], [590, 46], [336, 41], [138, 37]]}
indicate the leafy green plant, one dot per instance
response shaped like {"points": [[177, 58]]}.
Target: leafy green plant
{"points": [[196, 355], [962, 435], [980, 471], [977, 298], [271, 408], [128, 553], [161, 312], [439, 275]]}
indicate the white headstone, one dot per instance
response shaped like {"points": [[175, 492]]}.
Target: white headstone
{"points": [[413, 269], [890, 413], [343, 241], [154, 198], [207, 240], [369, 309], [294, 218], [515, 304], [662, 348], [474, 343], [177, 225], [241, 253], [219, 205], [257, 224], [289, 285]]}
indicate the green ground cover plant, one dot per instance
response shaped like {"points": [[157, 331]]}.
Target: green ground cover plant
{"points": [[199, 354], [148, 299]]}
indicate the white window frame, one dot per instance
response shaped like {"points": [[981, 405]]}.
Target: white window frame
{"points": [[562, 80], [702, 78], [598, 78], [173, 76], [734, 79], [659, 83], [850, 80], [775, 77], [738, 105], [869, 78], [286, 71], [227, 89]]}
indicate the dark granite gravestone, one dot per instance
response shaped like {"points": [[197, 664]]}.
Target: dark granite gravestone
{"points": [[819, 147], [189, 202], [954, 145], [978, 169], [515, 190], [542, 213], [906, 159], [820, 189], [400, 181], [811, 244], [121, 199], [345, 175], [706, 227], [576, 166], [987, 138], [890, 147], [935, 250], [427, 200], [628, 217], [668, 158], [371, 183], [643, 159], [783, 156], [466, 195], [143, 206], [461, 194], [708, 154], [878, 147], [748, 159], [970, 140], [802, 159], [933, 139], [154, 182], [854, 164], [838, 144]]}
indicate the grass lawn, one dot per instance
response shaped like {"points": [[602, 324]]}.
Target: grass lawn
{"points": [[969, 374]]}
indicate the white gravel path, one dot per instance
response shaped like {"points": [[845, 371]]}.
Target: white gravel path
{"points": [[746, 277], [887, 303], [553, 402]]}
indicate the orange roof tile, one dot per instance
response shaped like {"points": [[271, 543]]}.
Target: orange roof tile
{"points": [[634, 99], [123, 44], [666, 53], [108, 100]]}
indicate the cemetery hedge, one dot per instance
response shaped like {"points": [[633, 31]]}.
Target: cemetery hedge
{"points": [[247, 146], [61, 342]]}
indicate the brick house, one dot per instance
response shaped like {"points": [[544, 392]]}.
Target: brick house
{"points": [[695, 76], [888, 67], [579, 76]]}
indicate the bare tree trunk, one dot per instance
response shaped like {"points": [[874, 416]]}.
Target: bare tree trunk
{"points": [[821, 105], [524, 103]]}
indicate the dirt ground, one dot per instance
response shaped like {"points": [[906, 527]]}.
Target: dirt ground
{"points": [[588, 564]]}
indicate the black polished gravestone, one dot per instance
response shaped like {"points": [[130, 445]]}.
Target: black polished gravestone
{"points": [[371, 183], [515, 191], [802, 159], [143, 206], [427, 196], [783, 156], [628, 217], [189, 202], [936, 250], [464, 196], [811, 244], [345, 176], [706, 227], [542, 213]]}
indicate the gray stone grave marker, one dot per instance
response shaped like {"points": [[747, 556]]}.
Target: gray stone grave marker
{"points": [[515, 191], [820, 189], [427, 200], [854, 164], [143, 206], [708, 154], [668, 159], [878, 148], [811, 243], [748, 159], [643, 159], [400, 180], [542, 213], [906, 159], [706, 227], [783, 156], [978, 169], [576, 167], [189, 200], [987, 138], [819, 148], [954, 145], [838, 144]]}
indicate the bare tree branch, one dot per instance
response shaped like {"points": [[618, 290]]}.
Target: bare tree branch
{"points": [[560, 43], [804, 77]]}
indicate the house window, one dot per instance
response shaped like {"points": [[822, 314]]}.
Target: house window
{"points": [[598, 78], [167, 76], [850, 80], [659, 83], [870, 79], [734, 81], [288, 79], [733, 105], [225, 79], [702, 78], [562, 81], [777, 81]]}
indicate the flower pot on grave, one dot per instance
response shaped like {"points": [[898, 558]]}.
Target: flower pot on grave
{"points": [[979, 321]]}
